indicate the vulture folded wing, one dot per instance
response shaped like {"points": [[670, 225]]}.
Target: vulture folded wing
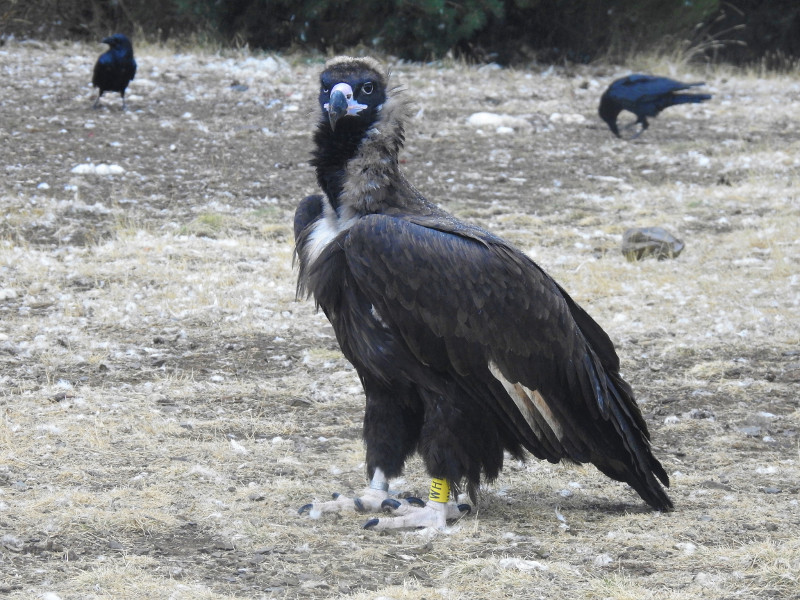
{"points": [[464, 302], [467, 304]]}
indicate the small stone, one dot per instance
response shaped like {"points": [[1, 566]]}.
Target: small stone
{"points": [[750, 430], [314, 585], [603, 560], [688, 548], [522, 564], [5, 588], [772, 490], [716, 485], [641, 242], [115, 545], [257, 559], [12, 543]]}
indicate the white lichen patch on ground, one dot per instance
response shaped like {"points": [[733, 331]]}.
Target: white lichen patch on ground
{"points": [[166, 405]]}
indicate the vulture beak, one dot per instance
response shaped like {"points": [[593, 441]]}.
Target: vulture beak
{"points": [[342, 104]]}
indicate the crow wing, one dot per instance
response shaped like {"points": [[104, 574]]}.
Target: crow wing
{"points": [[103, 74], [113, 73], [644, 89]]}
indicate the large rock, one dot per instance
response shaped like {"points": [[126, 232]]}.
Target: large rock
{"points": [[641, 242]]}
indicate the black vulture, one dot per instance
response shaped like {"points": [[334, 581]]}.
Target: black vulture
{"points": [[115, 68], [645, 96], [465, 348]]}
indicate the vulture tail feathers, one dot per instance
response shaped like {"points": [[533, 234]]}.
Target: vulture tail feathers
{"points": [[627, 456], [637, 466], [641, 477]]}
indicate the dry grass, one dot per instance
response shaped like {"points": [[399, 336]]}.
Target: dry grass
{"points": [[166, 405]]}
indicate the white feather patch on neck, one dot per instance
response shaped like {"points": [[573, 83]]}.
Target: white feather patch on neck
{"points": [[324, 231]]}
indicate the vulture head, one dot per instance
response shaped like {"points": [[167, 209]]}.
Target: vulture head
{"points": [[352, 92]]}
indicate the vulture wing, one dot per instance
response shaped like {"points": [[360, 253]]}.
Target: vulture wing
{"points": [[466, 303]]}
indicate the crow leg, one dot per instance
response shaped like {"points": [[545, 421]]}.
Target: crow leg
{"points": [[644, 125], [97, 101]]}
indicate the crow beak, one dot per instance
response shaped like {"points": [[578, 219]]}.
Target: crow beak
{"points": [[342, 104], [106, 41]]}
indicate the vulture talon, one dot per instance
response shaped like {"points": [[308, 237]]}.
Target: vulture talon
{"points": [[335, 495], [370, 524], [465, 509], [390, 504], [359, 505], [414, 501], [306, 508]]}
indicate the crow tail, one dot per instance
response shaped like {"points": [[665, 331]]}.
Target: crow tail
{"points": [[690, 98]]}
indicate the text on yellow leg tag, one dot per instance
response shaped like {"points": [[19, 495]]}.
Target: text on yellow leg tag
{"points": [[440, 490]]}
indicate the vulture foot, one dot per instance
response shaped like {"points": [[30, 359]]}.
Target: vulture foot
{"points": [[369, 501], [410, 515]]}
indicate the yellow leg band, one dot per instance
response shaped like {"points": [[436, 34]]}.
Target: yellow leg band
{"points": [[440, 490]]}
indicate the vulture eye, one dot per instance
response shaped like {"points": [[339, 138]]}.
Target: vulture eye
{"points": [[325, 89], [367, 88]]}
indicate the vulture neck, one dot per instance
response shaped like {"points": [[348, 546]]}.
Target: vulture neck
{"points": [[357, 168]]}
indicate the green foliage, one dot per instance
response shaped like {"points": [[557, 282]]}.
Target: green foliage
{"points": [[436, 26], [416, 29], [503, 30], [584, 30], [424, 29]]}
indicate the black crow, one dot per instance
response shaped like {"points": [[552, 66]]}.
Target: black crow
{"points": [[465, 348], [645, 96], [115, 68]]}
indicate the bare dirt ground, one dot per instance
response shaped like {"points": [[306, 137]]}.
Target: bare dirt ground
{"points": [[166, 405]]}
